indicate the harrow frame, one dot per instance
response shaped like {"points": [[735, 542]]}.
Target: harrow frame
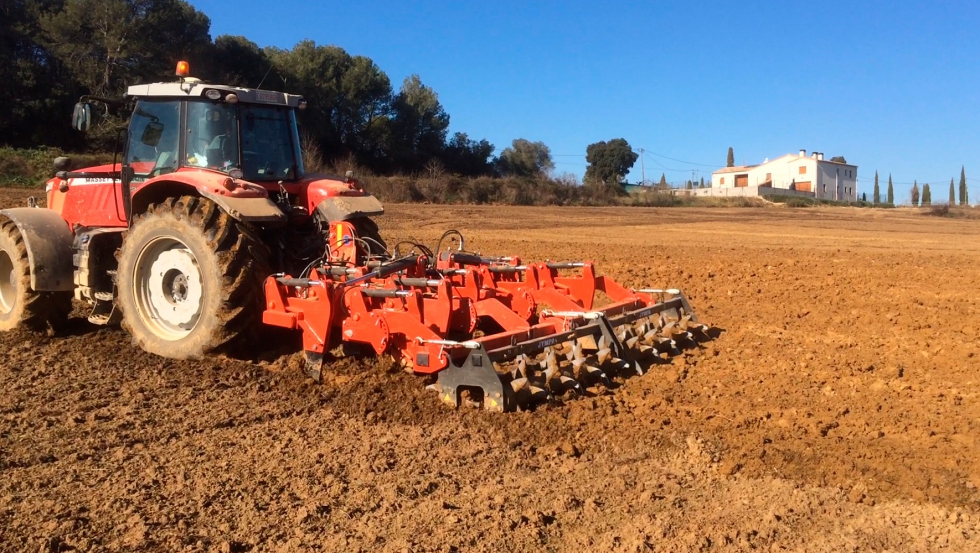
{"points": [[425, 312]]}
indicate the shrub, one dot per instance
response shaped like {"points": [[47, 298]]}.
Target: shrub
{"points": [[952, 211], [32, 168]]}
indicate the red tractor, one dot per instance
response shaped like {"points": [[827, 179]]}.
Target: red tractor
{"points": [[209, 198]]}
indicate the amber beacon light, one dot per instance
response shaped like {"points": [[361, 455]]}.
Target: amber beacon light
{"points": [[183, 69]]}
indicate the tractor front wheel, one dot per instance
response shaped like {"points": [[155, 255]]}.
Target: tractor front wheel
{"points": [[189, 278], [19, 304]]}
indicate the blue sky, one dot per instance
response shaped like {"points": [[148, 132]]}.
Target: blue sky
{"points": [[893, 86]]}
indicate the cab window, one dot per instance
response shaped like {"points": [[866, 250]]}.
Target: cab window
{"points": [[212, 136], [267, 143], [153, 134]]}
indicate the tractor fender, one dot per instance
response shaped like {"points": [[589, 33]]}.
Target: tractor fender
{"points": [[249, 203], [48, 240], [344, 208], [261, 211]]}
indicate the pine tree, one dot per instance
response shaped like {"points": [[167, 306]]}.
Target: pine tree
{"points": [[915, 194], [964, 193], [891, 191], [877, 193], [926, 195], [952, 193], [731, 157]]}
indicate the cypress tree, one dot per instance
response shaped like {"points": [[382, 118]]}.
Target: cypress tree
{"points": [[877, 193], [915, 194], [952, 193], [964, 193], [731, 157], [702, 182], [926, 195], [690, 185], [663, 182], [891, 191]]}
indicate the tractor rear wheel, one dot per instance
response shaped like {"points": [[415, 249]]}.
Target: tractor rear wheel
{"points": [[189, 279], [367, 228], [19, 304]]}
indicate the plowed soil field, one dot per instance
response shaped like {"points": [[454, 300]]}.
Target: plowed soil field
{"points": [[837, 411]]}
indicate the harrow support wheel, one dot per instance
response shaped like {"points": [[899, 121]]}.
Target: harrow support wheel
{"points": [[189, 279], [19, 304]]}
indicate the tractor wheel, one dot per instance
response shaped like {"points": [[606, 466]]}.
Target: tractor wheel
{"points": [[189, 279], [19, 304], [367, 228]]}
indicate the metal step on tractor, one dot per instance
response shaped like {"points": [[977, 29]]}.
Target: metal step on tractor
{"points": [[208, 225]]}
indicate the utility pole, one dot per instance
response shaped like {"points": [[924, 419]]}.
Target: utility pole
{"points": [[643, 168]]}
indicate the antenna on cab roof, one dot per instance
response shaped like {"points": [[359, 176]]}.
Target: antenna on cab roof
{"points": [[266, 75]]}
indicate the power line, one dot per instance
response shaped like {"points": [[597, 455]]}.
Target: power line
{"points": [[665, 167], [680, 160], [924, 181]]}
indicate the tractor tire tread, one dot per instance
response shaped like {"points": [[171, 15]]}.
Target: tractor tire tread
{"points": [[38, 311]]}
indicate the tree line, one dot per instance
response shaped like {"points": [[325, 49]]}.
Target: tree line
{"points": [[55, 51]]}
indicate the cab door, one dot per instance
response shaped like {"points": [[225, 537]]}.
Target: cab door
{"points": [[151, 150]]}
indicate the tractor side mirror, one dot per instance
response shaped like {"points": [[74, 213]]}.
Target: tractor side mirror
{"points": [[62, 163], [81, 117], [152, 133]]}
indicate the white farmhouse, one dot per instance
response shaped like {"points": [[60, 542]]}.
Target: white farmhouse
{"points": [[828, 180]]}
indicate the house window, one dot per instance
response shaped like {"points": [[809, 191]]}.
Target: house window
{"points": [[802, 169], [824, 188], [722, 180]]}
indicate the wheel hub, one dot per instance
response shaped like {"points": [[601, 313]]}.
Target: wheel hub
{"points": [[177, 284], [170, 288]]}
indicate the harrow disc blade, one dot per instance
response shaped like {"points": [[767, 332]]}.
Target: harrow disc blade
{"points": [[569, 384]]}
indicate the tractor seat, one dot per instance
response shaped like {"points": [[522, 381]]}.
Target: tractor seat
{"points": [[165, 164]]}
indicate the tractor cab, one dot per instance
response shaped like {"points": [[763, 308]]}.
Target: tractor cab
{"points": [[245, 133], [227, 143]]}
